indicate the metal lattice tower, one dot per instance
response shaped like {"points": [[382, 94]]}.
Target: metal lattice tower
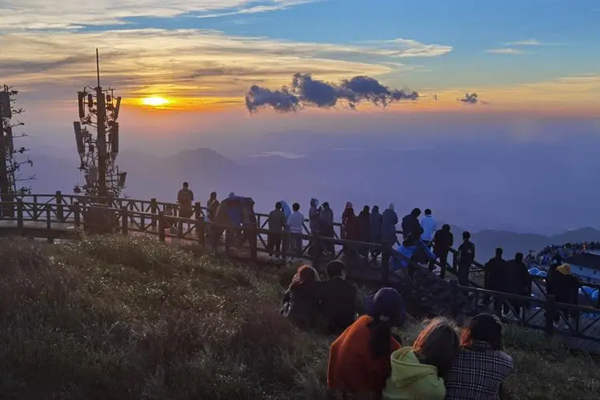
{"points": [[10, 163], [99, 109]]}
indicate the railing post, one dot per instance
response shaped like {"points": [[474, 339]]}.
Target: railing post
{"points": [[199, 224], [76, 213], [154, 211], [550, 312], [180, 229], [161, 227], [59, 206], [49, 223], [20, 216], [124, 221]]}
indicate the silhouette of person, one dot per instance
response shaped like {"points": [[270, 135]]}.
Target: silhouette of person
{"points": [[442, 243], [388, 238], [276, 227], [185, 197], [411, 228], [429, 225], [211, 206], [466, 256]]}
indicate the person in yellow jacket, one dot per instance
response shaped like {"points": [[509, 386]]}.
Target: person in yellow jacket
{"points": [[417, 371]]}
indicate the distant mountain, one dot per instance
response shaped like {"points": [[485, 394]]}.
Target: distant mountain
{"points": [[487, 241]]}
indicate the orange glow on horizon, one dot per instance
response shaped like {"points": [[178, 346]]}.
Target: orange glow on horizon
{"points": [[155, 101], [169, 103]]}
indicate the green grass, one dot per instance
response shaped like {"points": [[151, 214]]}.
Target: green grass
{"points": [[118, 318]]}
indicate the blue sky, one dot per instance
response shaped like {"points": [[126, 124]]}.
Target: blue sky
{"points": [[567, 32]]}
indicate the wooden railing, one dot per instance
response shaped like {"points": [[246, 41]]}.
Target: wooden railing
{"points": [[56, 216]]}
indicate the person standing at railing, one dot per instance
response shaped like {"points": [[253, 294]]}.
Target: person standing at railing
{"points": [[466, 256], [375, 226], [388, 238], [411, 228], [276, 227], [495, 277], [211, 206], [564, 286], [185, 197], [518, 280], [349, 227], [429, 225], [295, 223], [326, 226], [442, 243]]}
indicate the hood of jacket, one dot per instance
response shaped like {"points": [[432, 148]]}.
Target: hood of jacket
{"points": [[410, 379]]}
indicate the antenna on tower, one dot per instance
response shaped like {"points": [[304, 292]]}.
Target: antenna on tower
{"points": [[98, 108], [98, 67], [10, 157]]}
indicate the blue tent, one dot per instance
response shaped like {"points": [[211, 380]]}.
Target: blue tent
{"points": [[401, 255]]}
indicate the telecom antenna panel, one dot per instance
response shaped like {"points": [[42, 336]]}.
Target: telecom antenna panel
{"points": [[98, 111], [12, 158]]}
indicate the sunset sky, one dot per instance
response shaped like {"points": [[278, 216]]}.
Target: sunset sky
{"points": [[203, 55], [499, 98]]}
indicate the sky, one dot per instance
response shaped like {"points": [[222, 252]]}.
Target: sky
{"points": [[275, 78]]}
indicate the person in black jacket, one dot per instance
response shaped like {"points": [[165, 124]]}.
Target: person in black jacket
{"points": [[517, 280], [495, 278], [301, 300], [466, 256], [442, 243], [338, 299], [564, 286], [411, 228]]}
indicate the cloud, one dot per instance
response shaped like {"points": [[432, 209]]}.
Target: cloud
{"points": [[505, 50], [280, 100], [74, 14], [308, 91], [185, 62], [527, 42], [470, 98], [281, 154]]}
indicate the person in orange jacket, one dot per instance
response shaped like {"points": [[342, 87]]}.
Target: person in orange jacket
{"points": [[359, 359]]}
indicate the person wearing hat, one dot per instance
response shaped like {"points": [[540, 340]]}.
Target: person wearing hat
{"points": [[417, 371], [481, 366], [359, 359], [564, 286]]}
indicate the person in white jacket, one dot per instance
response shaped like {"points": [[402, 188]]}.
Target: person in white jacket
{"points": [[429, 225], [295, 223]]}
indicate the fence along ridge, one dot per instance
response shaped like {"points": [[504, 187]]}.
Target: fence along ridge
{"points": [[68, 209]]}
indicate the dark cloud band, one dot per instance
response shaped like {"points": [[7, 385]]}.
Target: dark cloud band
{"points": [[308, 91]]}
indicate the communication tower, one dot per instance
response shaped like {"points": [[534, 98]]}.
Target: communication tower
{"points": [[98, 110], [11, 157]]}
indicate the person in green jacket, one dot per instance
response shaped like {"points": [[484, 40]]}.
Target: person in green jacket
{"points": [[417, 371]]}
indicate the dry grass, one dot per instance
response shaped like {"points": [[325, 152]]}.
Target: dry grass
{"points": [[118, 318]]}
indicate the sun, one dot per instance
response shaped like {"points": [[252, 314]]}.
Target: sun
{"points": [[155, 101]]}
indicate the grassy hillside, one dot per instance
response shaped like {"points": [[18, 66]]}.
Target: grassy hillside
{"points": [[116, 318]]}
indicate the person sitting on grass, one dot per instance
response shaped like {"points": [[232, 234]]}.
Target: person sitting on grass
{"points": [[301, 300], [481, 366], [417, 371], [359, 359], [339, 300]]}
